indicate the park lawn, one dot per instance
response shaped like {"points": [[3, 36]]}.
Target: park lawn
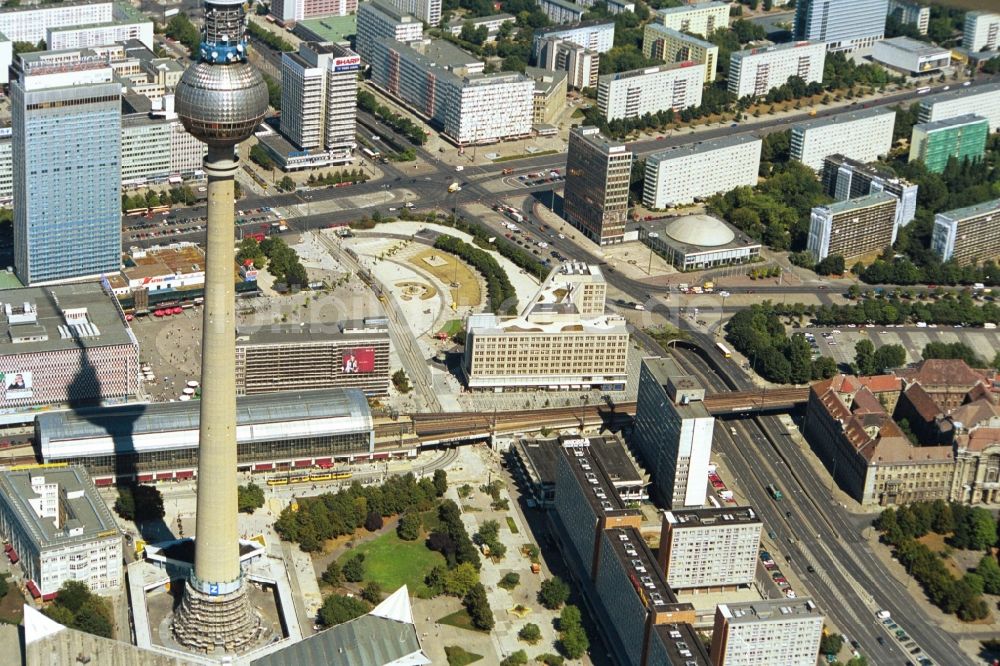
{"points": [[452, 326], [392, 562], [459, 656]]}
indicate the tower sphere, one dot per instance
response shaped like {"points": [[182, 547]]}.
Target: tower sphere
{"points": [[222, 104]]}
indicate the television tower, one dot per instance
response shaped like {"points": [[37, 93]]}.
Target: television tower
{"points": [[220, 99]]}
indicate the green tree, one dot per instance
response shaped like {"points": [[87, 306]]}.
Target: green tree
{"points": [[373, 521], [333, 574], [338, 608], [458, 582], [800, 360], [372, 592], [408, 527], [553, 593], [440, 482], [60, 614], [530, 633], [831, 644], [864, 357], [573, 641], [478, 607], [139, 503], [249, 498], [889, 356], [831, 265], [286, 184], [354, 569], [400, 381], [989, 570], [73, 594], [510, 581], [518, 658], [94, 617]]}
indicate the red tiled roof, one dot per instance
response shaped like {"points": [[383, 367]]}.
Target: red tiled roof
{"points": [[981, 438], [922, 402], [943, 372]]}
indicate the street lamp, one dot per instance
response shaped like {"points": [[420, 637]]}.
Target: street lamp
{"points": [[651, 236]]}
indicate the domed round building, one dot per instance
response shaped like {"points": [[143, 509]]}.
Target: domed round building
{"points": [[696, 242]]}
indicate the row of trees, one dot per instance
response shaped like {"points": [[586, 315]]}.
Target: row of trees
{"points": [[958, 350], [338, 177], [282, 261], [398, 123], [949, 309], [502, 297], [181, 29], [176, 195], [330, 515], [972, 528], [759, 334], [460, 577], [272, 40]]}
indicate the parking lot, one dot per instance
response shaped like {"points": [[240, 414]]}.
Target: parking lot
{"points": [[838, 343]]}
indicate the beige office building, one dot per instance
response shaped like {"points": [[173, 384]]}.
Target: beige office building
{"points": [[550, 94], [561, 340], [669, 45], [700, 18], [855, 228], [598, 171]]}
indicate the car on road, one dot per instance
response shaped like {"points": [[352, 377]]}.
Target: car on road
{"points": [[810, 569]]}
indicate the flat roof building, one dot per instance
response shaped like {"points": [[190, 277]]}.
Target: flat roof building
{"points": [[911, 56], [293, 11], [594, 35], [492, 23], [854, 228], [672, 432], [861, 135], [968, 234], [428, 11], [662, 43], [911, 12], [152, 442], [981, 100], [598, 171], [549, 98], [64, 345], [961, 137], [380, 19], [844, 178], [562, 11], [60, 528], [313, 356], [683, 174], [66, 110], [709, 549], [700, 18], [844, 25], [562, 339], [672, 644], [87, 36], [696, 242], [447, 86], [635, 93], [580, 63], [319, 90], [754, 72], [981, 31], [762, 633]]}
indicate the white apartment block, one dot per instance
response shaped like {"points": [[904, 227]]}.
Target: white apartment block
{"points": [[562, 11], [911, 12], [319, 89], [561, 340], [764, 633], [669, 45], [580, 63], [186, 152], [861, 135], [709, 548], [640, 91], [492, 23], [289, 11], [380, 19], [702, 18], [754, 72], [428, 11], [982, 31], [446, 85], [79, 37], [983, 100], [145, 150], [594, 35], [681, 174], [60, 529], [29, 23]]}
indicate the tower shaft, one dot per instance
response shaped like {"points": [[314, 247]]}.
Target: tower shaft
{"points": [[217, 553]]}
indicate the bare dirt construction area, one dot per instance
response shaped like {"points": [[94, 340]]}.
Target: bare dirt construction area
{"points": [[462, 280]]}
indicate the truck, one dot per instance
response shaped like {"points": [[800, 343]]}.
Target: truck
{"points": [[709, 287], [454, 187], [774, 492]]}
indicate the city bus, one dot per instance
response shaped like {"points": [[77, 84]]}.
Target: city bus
{"points": [[373, 155], [723, 349]]}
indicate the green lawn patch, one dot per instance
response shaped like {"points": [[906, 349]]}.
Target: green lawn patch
{"points": [[392, 562], [458, 656], [512, 525], [452, 327], [508, 158], [460, 619]]}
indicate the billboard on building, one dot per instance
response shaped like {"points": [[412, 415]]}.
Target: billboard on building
{"points": [[347, 64], [359, 360], [17, 384]]}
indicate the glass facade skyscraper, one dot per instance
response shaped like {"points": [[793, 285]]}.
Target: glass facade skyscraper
{"points": [[844, 25], [66, 111]]}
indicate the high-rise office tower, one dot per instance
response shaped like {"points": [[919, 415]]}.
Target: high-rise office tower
{"points": [[854, 229], [66, 112], [221, 99], [673, 432], [319, 92], [844, 25], [597, 179]]}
